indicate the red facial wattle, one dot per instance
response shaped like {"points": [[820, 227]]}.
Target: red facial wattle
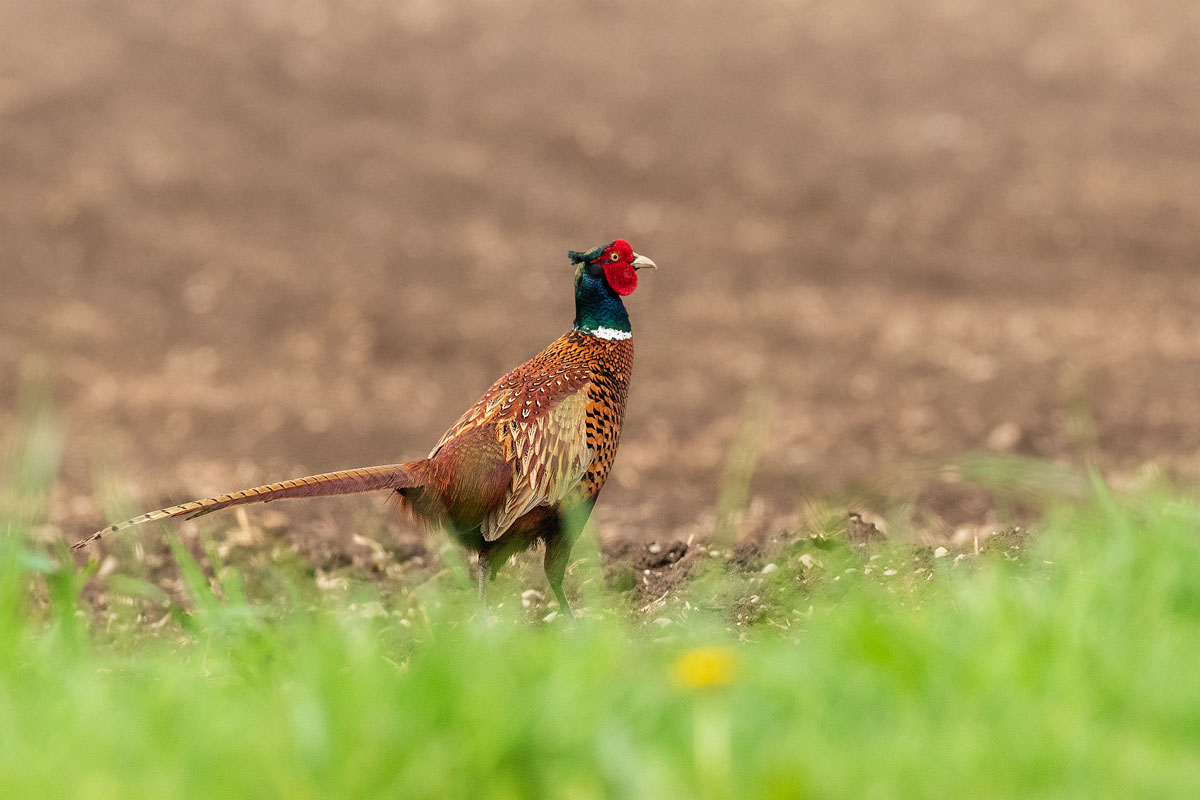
{"points": [[618, 267], [621, 276]]}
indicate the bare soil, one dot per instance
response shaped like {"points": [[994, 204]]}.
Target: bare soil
{"points": [[251, 240]]}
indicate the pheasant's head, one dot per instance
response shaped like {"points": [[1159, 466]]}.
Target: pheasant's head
{"points": [[603, 275], [615, 264]]}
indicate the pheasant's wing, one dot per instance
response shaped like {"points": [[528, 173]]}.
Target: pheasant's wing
{"points": [[538, 414], [549, 454]]}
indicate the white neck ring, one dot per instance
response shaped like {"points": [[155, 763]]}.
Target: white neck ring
{"points": [[610, 334]]}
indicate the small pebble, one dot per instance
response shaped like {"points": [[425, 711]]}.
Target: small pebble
{"points": [[941, 552], [655, 548], [664, 622], [769, 568], [889, 572]]}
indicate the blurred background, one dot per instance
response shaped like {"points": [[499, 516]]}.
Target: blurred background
{"points": [[251, 239]]}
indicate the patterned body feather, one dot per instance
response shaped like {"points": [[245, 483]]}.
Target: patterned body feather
{"points": [[544, 435]]}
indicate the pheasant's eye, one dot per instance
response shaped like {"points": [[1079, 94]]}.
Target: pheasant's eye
{"points": [[615, 257]]}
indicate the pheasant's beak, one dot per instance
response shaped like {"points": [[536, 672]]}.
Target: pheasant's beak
{"points": [[641, 262]]}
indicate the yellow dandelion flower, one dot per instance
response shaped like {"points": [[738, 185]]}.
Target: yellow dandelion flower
{"points": [[702, 667]]}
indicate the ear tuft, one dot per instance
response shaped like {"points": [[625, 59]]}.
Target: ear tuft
{"points": [[576, 256]]}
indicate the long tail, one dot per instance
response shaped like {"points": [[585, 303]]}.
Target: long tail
{"points": [[366, 479]]}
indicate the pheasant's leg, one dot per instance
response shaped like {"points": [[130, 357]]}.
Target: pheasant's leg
{"points": [[558, 553]]}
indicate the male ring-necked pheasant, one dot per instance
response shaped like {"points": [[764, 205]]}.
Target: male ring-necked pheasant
{"points": [[524, 463]]}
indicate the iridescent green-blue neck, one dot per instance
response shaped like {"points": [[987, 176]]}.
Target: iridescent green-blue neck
{"points": [[598, 309]]}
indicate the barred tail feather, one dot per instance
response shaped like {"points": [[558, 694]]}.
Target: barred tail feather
{"points": [[365, 479]]}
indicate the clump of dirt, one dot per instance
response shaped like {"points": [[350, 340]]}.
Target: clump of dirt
{"points": [[656, 556], [649, 570], [861, 531]]}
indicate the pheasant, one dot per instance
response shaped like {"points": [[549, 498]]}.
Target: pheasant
{"points": [[526, 462]]}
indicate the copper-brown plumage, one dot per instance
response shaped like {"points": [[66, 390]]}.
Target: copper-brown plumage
{"points": [[527, 461]]}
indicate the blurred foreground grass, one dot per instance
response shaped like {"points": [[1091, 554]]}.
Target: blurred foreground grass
{"points": [[1069, 671]]}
